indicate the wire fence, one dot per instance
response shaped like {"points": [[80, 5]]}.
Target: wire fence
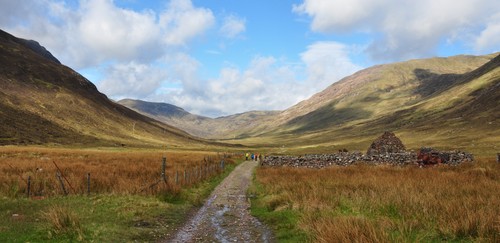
{"points": [[65, 178]]}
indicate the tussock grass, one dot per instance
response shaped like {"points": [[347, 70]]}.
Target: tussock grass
{"points": [[63, 221], [114, 212], [115, 172], [382, 203]]}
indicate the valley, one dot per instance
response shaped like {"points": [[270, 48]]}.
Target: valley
{"points": [[78, 166]]}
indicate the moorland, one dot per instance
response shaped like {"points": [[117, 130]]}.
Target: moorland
{"points": [[58, 132]]}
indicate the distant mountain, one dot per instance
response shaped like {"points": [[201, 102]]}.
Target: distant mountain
{"points": [[44, 102], [222, 127], [447, 102]]}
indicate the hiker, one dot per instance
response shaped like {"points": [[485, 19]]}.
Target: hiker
{"points": [[252, 156], [246, 156]]}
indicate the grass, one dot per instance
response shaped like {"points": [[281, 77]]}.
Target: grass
{"points": [[101, 218], [111, 213], [118, 172], [381, 203]]}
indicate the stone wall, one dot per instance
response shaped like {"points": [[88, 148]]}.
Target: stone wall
{"points": [[346, 159]]}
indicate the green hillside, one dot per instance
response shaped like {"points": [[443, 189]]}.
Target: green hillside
{"points": [[444, 102]]}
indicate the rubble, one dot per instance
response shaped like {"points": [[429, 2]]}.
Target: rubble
{"points": [[387, 143], [386, 149], [345, 159]]}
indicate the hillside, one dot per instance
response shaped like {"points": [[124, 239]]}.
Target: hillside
{"points": [[428, 102], [44, 102], [446, 102], [221, 127]]}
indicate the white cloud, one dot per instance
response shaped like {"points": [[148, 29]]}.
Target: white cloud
{"points": [[266, 84], [98, 31], [232, 26], [489, 38], [182, 21], [405, 29], [132, 80], [120, 34], [328, 62]]}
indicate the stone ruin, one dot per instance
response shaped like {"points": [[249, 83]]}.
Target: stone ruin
{"points": [[386, 144], [386, 149]]}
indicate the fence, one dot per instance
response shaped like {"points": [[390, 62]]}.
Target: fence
{"points": [[73, 179]]}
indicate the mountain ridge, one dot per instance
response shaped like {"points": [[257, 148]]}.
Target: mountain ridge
{"points": [[213, 128], [411, 97], [44, 102]]}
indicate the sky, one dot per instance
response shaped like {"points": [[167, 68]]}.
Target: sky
{"points": [[222, 57]]}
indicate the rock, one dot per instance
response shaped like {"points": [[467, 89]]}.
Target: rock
{"points": [[386, 149], [387, 143], [319, 161]]}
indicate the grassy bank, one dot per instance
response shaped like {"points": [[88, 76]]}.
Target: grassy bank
{"points": [[380, 203], [109, 214]]}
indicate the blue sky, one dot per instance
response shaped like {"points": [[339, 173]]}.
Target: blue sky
{"points": [[221, 57]]}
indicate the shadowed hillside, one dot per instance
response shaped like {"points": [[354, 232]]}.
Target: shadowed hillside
{"points": [[42, 101]]}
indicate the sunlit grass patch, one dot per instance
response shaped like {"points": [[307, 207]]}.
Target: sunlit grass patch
{"points": [[383, 203]]}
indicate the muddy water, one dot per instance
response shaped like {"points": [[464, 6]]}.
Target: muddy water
{"points": [[225, 217]]}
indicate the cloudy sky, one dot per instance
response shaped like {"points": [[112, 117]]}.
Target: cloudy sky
{"points": [[220, 57]]}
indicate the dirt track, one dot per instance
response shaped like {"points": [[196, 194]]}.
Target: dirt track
{"points": [[225, 217]]}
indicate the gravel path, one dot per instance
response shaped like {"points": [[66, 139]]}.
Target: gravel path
{"points": [[225, 217]]}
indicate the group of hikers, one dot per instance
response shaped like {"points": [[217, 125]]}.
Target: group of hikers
{"points": [[252, 156]]}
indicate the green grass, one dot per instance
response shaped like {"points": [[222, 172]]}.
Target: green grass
{"points": [[102, 218], [284, 222]]}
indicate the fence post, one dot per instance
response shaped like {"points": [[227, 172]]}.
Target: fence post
{"points": [[88, 184], [163, 168], [62, 183], [29, 186], [60, 173]]}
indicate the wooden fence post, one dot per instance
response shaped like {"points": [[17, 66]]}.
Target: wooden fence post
{"points": [[60, 173], [62, 183], [29, 186], [88, 184], [163, 168]]}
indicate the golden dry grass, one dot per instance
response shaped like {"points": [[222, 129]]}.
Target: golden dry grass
{"points": [[382, 203], [116, 172]]}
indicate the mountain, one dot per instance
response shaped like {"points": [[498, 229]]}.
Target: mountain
{"points": [[221, 127], [447, 102], [44, 102]]}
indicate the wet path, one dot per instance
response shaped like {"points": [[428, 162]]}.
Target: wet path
{"points": [[225, 217]]}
